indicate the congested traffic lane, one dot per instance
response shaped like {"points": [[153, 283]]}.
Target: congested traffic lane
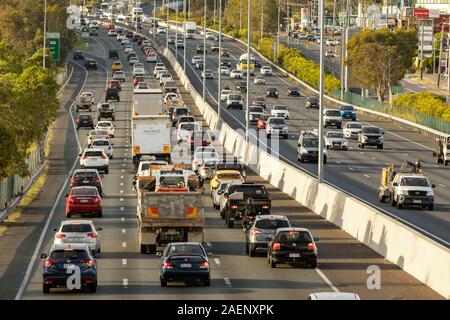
{"points": [[355, 171]]}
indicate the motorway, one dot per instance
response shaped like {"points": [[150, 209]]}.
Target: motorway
{"points": [[124, 273], [357, 171]]}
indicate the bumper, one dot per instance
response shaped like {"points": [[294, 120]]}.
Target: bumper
{"points": [[80, 209], [310, 156], [173, 275], [99, 168], [349, 135], [60, 280], [372, 142], [333, 123], [283, 257], [349, 116], [414, 200], [258, 246], [85, 125]]}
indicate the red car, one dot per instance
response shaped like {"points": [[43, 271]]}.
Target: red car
{"points": [[111, 26], [83, 200], [115, 84], [262, 121], [137, 80]]}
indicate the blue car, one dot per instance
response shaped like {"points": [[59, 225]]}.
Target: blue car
{"points": [[184, 261], [348, 112], [61, 263]]}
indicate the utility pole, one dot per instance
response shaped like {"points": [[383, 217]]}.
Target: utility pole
{"points": [[154, 19], [448, 57], [219, 89], [441, 42], [215, 4], [176, 31], [184, 37], [247, 122], [240, 16], [262, 19], [421, 50], [204, 52], [278, 30], [321, 87], [167, 33], [347, 26], [45, 35], [288, 24], [432, 47]]}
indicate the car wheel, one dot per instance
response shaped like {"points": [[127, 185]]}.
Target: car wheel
{"points": [[100, 214], [45, 288], [222, 215], [106, 171], [393, 202], [301, 159], [152, 248], [399, 205], [380, 146], [78, 128], [144, 248], [207, 282], [268, 136], [163, 283], [362, 145], [446, 163], [272, 263], [431, 207], [246, 247], [251, 251], [68, 215], [230, 223], [313, 265], [93, 288]]}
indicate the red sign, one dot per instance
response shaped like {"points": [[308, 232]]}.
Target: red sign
{"points": [[421, 13]]}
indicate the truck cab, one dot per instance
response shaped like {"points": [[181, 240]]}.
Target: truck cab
{"points": [[412, 190]]}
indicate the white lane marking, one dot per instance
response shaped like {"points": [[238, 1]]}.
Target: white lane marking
{"points": [[124, 230], [124, 244], [373, 158], [121, 183], [436, 165], [121, 177], [361, 152], [123, 170], [122, 219], [338, 162], [125, 282], [227, 282], [208, 243], [366, 175], [122, 208], [405, 154], [52, 211], [324, 277], [121, 199], [121, 191], [217, 261], [351, 169], [124, 262], [441, 185]]}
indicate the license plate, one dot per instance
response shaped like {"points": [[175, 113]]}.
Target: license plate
{"points": [[84, 201], [337, 144], [172, 232], [186, 265], [294, 255], [85, 181], [68, 265], [417, 201]]}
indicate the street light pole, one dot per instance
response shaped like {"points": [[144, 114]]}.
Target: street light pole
{"points": [[262, 19], [240, 16], [321, 87], [154, 18], [204, 52], [167, 24], [184, 39], [278, 29], [176, 32], [248, 72], [219, 102], [45, 35]]}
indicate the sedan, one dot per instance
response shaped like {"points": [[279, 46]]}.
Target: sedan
{"points": [[224, 94], [107, 126], [115, 84], [236, 74], [83, 200], [128, 49], [293, 91], [336, 140], [259, 80], [133, 60], [186, 261], [195, 59], [119, 75], [207, 74], [225, 71], [97, 134], [55, 273], [266, 70], [79, 231], [103, 144], [293, 246], [280, 111], [272, 92]]}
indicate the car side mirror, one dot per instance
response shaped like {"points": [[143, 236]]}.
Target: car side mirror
{"points": [[99, 229], [43, 255], [79, 154], [55, 229], [395, 184], [316, 239], [134, 182], [66, 195], [433, 185]]}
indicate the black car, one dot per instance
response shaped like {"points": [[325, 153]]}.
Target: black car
{"points": [[86, 177], [312, 102], [177, 113], [78, 55], [241, 86], [136, 38], [293, 91], [258, 64], [225, 63], [112, 94], [272, 92], [90, 64], [57, 262], [113, 54], [186, 261], [129, 34], [131, 55], [106, 111], [293, 246], [200, 48], [84, 120]]}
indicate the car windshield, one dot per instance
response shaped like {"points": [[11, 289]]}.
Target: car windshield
{"points": [[103, 124], [347, 108], [256, 109], [229, 176], [277, 121], [100, 143], [372, 130], [234, 97], [293, 88], [85, 117], [311, 143], [312, 99], [271, 89], [181, 111], [187, 119], [85, 175], [205, 155], [84, 227], [414, 182], [271, 224], [93, 154], [185, 249], [278, 108], [84, 192], [334, 135], [294, 236], [354, 125], [189, 126], [99, 133], [252, 191], [333, 113], [69, 255]]}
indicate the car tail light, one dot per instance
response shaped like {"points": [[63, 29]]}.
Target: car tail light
{"points": [[266, 206], [84, 157], [92, 235], [97, 179], [276, 246], [311, 246], [49, 263], [97, 200], [104, 157], [256, 231], [60, 235], [89, 262], [167, 265], [234, 206], [71, 200], [204, 265], [75, 179]]}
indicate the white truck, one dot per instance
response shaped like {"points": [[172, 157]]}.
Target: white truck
{"points": [[147, 102], [170, 208], [190, 29]]}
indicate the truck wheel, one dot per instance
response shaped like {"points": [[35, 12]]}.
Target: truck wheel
{"points": [[144, 248], [45, 288], [152, 248], [163, 283], [399, 205], [230, 223], [431, 207]]}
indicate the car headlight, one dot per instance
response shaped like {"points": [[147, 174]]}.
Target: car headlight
{"points": [[430, 193], [402, 192], [304, 151], [364, 137], [344, 143]]}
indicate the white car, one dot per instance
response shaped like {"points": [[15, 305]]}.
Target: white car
{"points": [[139, 71], [266, 70], [255, 112], [97, 134], [217, 194], [160, 30], [332, 118], [236, 74], [141, 86], [195, 59], [209, 36], [352, 129], [152, 57], [94, 159], [133, 60], [164, 77], [120, 37], [119, 75], [107, 126], [103, 144], [207, 154], [224, 70], [280, 111], [128, 49], [276, 126], [112, 33], [79, 231], [260, 80], [224, 94], [158, 69], [331, 42], [171, 97], [185, 129], [336, 140]]}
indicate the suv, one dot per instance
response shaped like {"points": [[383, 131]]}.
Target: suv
{"points": [[95, 159], [260, 232], [112, 94], [106, 111], [113, 54], [308, 147], [332, 117], [312, 102], [84, 120], [199, 48], [235, 100], [272, 92], [90, 64], [78, 55], [293, 91], [86, 177], [370, 136], [348, 112], [278, 126]]}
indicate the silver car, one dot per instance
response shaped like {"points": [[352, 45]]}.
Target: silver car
{"points": [[260, 232], [79, 231], [336, 140]]}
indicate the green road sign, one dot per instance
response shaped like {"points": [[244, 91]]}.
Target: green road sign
{"points": [[54, 45]]}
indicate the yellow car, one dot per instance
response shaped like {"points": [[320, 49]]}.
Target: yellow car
{"points": [[225, 175], [116, 65]]}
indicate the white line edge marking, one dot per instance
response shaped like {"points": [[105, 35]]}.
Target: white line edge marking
{"points": [[325, 278], [217, 261], [125, 282], [227, 282], [124, 262]]}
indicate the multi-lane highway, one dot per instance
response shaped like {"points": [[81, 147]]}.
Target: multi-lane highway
{"points": [[356, 171], [125, 273]]}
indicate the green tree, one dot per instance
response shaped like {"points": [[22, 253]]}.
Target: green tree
{"points": [[380, 58]]}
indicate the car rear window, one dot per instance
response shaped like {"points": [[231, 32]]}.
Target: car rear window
{"points": [[252, 191], [256, 109], [181, 111], [85, 175], [99, 133], [271, 224], [333, 113], [85, 192], [185, 250], [84, 227], [294, 236], [69, 255], [100, 143], [371, 130], [93, 153], [85, 117]]}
